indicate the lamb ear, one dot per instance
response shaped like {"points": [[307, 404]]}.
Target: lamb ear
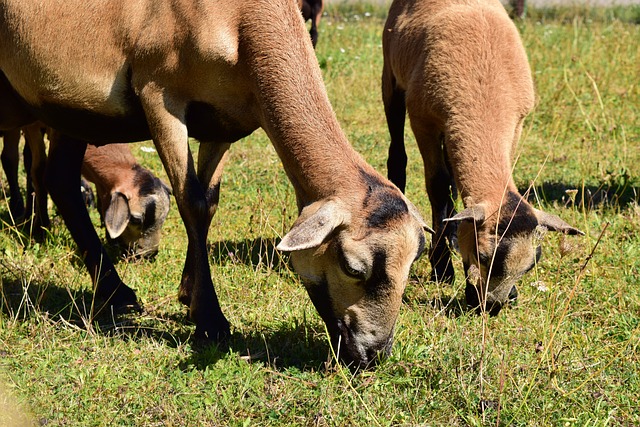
{"points": [[116, 217], [313, 226], [554, 223], [475, 213], [416, 214]]}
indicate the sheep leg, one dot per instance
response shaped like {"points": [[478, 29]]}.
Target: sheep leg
{"points": [[395, 111], [442, 192], [170, 136], [316, 13], [62, 177], [10, 158], [35, 141], [211, 160]]}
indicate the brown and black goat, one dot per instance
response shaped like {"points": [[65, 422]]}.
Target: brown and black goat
{"points": [[216, 71], [458, 67]]}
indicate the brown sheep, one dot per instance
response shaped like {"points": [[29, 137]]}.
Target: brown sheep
{"points": [[215, 71], [459, 69], [133, 203]]}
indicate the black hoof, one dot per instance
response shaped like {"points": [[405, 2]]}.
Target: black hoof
{"points": [[122, 301], [471, 296], [217, 332], [16, 207]]}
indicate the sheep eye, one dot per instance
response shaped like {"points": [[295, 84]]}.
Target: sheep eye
{"points": [[357, 271], [135, 219], [353, 272]]}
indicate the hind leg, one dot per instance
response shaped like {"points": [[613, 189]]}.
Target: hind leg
{"points": [[10, 159], [442, 192], [395, 111], [34, 138]]}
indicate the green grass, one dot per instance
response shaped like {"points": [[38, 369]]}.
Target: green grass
{"points": [[567, 354]]}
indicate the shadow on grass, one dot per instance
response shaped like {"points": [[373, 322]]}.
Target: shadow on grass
{"points": [[257, 253], [288, 346], [617, 190], [73, 307]]}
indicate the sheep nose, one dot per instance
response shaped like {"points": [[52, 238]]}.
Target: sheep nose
{"points": [[361, 358]]}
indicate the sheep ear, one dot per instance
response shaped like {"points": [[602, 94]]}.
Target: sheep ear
{"points": [[554, 223], [116, 217], [475, 213], [315, 223]]}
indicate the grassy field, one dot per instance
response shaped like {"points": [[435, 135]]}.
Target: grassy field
{"points": [[567, 354]]}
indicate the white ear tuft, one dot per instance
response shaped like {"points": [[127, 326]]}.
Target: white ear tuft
{"points": [[475, 213], [315, 223]]}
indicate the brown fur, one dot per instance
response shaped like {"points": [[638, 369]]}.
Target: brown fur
{"points": [[169, 69], [460, 71], [117, 177], [133, 203]]}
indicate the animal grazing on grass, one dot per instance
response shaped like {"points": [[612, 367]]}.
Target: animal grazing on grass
{"points": [[312, 11], [215, 71], [459, 69], [133, 203]]}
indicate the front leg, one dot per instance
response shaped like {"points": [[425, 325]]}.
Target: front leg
{"points": [[211, 159], [170, 136], [441, 190], [62, 177]]}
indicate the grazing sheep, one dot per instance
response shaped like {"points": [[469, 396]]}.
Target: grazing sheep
{"points": [[459, 69], [132, 201], [215, 71]]}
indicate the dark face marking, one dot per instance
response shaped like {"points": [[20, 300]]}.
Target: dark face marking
{"points": [[379, 282], [505, 258], [144, 181], [384, 202], [516, 217], [422, 243], [319, 294]]}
